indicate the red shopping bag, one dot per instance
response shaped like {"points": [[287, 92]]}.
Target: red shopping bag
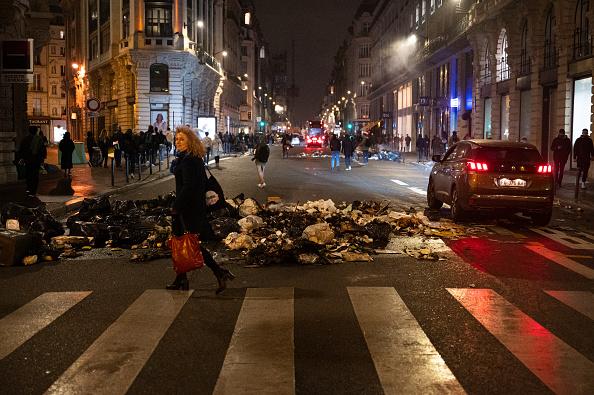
{"points": [[186, 253]]}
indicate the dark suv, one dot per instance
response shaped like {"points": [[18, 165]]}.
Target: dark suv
{"points": [[492, 175]]}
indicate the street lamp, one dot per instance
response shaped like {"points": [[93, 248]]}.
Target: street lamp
{"points": [[200, 24]]}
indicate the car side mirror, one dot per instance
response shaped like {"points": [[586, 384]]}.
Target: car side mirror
{"points": [[436, 158]]}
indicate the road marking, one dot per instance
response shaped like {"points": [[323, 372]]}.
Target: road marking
{"points": [[418, 191], [112, 362], [580, 301], [506, 232], [21, 325], [400, 182], [561, 259], [404, 358], [260, 357], [566, 239], [579, 256], [555, 363]]}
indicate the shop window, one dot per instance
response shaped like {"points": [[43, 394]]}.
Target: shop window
{"points": [[582, 41], [93, 16], [159, 76], [582, 110], [486, 65], [525, 113], [550, 49], [505, 117], [125, 19], [487, 132], [158, 20]]}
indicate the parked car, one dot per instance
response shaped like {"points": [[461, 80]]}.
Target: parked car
{"points": [[492, 175], [295, 140]]}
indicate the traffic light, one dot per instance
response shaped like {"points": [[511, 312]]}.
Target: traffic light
{"points": [[350, 126], [262, 124]]}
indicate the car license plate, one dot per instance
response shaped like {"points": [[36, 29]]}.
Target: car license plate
{"points": [[516, 182]]}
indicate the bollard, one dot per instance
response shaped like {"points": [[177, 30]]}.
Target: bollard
{"points": [[113, 172], [577, 184], [127, 169], [160, 151], [139, 168]]}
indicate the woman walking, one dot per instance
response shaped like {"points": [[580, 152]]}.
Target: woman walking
{"points": [[217, 149], [66, 148], [189, 212]]}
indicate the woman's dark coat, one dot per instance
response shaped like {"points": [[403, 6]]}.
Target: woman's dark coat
{"points": [[190, 191], [66, 147]]}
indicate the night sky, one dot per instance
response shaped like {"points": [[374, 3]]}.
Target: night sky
{"points": [[318, 27]]}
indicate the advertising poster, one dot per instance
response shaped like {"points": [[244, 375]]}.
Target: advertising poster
{"points": [[206, 124]]}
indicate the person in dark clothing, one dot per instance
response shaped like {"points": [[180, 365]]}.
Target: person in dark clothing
{"points": [[66, 148], [561, 147], [130, 151], [189, 210], [31, 155], [104, 142], [419, 145], [583, 152], [335, 147], [348, 147], [91, 144], [286, 143], [261, 157], [117, 147]]}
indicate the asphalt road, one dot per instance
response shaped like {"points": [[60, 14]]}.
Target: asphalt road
{"points": [[478, 321]]}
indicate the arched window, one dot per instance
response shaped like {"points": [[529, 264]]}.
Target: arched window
{"points": [[524, 55], [550, 49], [582, 45], [159, 77], [502, 66]]}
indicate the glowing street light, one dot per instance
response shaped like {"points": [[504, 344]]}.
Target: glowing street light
{"points": [[75, 66], [200, 24]]}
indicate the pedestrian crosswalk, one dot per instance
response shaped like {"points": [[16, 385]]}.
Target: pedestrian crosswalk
{"points": [[260, 355]]}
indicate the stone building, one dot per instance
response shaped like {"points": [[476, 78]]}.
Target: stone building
{"points": [[46, 97], [179, 59], [19, 19], [497, 69]]}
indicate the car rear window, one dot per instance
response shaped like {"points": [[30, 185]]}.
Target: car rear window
{"points": [[506, 154]]}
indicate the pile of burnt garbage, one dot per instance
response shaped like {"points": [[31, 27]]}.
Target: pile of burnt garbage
{"points": [[314, 232]]}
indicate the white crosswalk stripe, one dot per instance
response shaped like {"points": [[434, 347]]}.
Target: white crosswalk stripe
{"points": [[532, 344], [404, 358], [575, 240], [400, 182], [260, 358], [561, 259], [24, 323], [580, 301], [112, 362]]}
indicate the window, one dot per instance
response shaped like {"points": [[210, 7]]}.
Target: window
{"points": [[487, 132], [159, 75], [502, 66], [364, 111], [550, 50], [189, 19], [93, 16], [364, 51], [54, 90], [37, 107], [364, 70], [62, 53], [158, 18], [53, 69], [54, 112], [52, 49], [417, 14], [93, 47], [432, 7], [486, 65], [524, 58], [36, 82], [247, 18], [105, 38], [62, 70], [104, 11], [582, 45], [61, 34], [125, 19], [365, 27]]}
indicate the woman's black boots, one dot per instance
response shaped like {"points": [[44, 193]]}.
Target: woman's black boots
{"points": [[222, 277], [180, 282]]}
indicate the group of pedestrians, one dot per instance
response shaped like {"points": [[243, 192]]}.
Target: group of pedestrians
{"points": [[347, 146], [583, 152]]}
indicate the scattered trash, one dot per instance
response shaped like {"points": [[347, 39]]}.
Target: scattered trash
{"points": [[30, 260], [319, 233], [13, 224]]}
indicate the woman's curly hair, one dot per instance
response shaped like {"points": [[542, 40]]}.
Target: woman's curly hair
{"points": [[195, 146]]}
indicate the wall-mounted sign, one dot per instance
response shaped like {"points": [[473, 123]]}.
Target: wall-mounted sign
{"points": [[93, 104], [424, 101], [386, 115], [16, 56], [36, 122]]}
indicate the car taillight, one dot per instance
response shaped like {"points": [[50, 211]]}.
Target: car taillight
{"points": [[544, 169], [477, 166]]}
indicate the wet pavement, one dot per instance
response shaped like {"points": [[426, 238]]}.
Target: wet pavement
{"points": [[505, 309]]}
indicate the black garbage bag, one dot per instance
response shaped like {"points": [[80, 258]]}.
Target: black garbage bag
{"points": [[33, 220], [222, 226], [94, 207], [99, 231], [379, 232]]}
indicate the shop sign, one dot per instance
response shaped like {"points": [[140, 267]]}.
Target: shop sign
{"points": [[93, 104], [386, 115], [111, 104], [16, 78], [424, 101], [36, 122]]}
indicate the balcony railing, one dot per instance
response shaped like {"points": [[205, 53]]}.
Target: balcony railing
{"points": [[503, 72], [582, 44], [525, 64], [551, 56]]}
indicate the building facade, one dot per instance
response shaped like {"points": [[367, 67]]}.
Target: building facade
{"points": [[179, 60], [495, 69]]}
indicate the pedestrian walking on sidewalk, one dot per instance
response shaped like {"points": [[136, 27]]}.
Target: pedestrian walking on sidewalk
{"points": [[66, 148], [217, 149], [561, 147], [348, 147], [104, 146], [261, 155], [117, 146], [335, 147], [130, 148], [207, 142], [365, 145], [31, 155], [583, 152], [407, 141], [189, 211]]}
